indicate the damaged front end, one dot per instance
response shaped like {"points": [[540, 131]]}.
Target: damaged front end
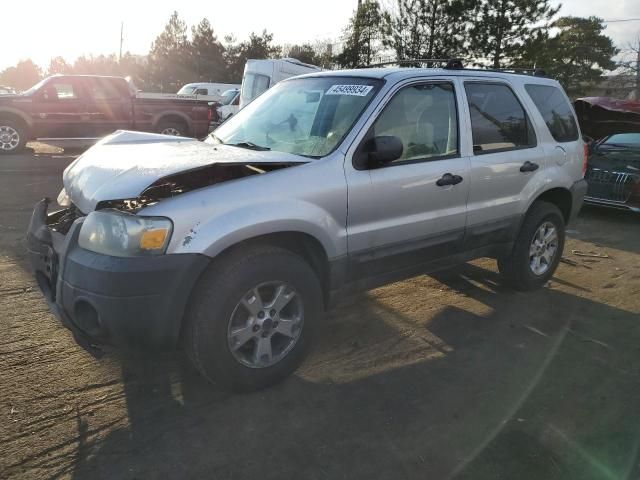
{"points": [[187, 181]]}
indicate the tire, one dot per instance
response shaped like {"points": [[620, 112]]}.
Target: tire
{"points": [[177, 129], [215, 308], [518, 268], [13, 136]]}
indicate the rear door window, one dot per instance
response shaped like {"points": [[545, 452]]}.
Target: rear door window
{"points": [[556, 111], [498, 119]]}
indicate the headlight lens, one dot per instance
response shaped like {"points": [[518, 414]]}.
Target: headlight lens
{"points": [[125, 235]]}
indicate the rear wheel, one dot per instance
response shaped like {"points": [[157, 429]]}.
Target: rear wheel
{"points": [[177, 129], [537, 250], [13, 137], [252, 318]]}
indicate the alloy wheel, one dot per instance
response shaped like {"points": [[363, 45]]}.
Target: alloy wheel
{"points": [[543, 249], [265, 324]]}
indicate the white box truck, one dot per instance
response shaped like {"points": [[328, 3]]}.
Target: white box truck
{"points": [[260, 75]]}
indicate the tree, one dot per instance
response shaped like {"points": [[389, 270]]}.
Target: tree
{"points": [[21, 77], [501, 28], [363, 35], [630, 65], [59, 65], [100, 65], [427, 28], [577, 55], [170, 56], [207, 53], [305, 53], [257, 47]]}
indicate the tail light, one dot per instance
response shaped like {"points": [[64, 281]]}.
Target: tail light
{"points": [[585, 159], [210, 113]]}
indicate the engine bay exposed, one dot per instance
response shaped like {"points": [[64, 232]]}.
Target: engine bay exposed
{"points": [[190, 180]]}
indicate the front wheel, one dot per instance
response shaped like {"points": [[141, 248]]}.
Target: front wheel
{"points": [[252, 318], [13, 137], [537, 250]]}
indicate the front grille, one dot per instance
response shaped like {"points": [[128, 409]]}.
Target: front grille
{"points": [[607, 185]]}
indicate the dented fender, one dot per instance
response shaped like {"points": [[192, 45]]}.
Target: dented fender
{"points": [[232, 227]]}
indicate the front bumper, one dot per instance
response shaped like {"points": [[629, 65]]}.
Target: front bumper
{"points": [[578, 191], [125, 302]]}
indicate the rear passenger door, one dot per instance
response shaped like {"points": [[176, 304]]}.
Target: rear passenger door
{"points": [[398, 215], [505, 162]]}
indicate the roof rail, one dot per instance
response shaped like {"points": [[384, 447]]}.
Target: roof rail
{"points": [[450, 63], [456, 64]]}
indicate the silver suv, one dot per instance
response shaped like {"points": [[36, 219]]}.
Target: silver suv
{"points": [[327, 184]]}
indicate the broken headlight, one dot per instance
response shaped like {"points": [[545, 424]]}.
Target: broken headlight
{"points": [[125, 235]]}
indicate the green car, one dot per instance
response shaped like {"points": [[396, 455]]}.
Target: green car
{"points": [[613, 172]]}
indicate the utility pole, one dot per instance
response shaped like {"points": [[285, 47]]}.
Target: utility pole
{"points": [[121, 38]]}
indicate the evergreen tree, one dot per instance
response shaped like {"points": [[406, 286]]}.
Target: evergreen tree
{"points": [[207, 53], [258, 46], [305, 53], [363, 35], [169, 58], [577, 55], [427, 28], [501, 28]]}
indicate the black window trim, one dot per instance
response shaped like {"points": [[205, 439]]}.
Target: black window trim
{"points": [[571, 109], [526, 112], [368, 135]]}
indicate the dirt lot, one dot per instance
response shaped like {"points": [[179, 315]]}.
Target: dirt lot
{"points": [[447, 376]]}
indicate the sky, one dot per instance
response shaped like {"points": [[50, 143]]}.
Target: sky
{"points": [[42, 29]]}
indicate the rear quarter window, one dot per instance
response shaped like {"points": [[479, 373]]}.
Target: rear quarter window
{"points": [[555, 110]]}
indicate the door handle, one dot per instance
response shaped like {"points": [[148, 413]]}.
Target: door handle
{"points": [[448, 179], [529, 166]]}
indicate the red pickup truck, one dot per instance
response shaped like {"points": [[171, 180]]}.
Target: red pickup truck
{"points": [[84, 108]]}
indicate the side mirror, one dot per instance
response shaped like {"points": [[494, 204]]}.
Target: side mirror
{"points": [[378, 152]]}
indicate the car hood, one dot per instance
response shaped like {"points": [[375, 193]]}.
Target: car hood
{"points": [[123, 164]]}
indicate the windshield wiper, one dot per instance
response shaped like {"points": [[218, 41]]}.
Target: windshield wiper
{"points": [[249, 145]]}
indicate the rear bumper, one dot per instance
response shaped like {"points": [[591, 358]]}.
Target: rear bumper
{"points": [[125, 302], [578, 191]]}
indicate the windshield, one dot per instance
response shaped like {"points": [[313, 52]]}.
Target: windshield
{"points": [[228, 96], [253, 85], [626, 139], [186, 90], [36, 87], [306, 116]]}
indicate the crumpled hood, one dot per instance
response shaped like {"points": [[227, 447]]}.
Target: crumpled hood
{"points": [[123, 164]]}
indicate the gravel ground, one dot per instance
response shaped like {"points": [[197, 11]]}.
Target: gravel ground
{"points": [[444, 376]]}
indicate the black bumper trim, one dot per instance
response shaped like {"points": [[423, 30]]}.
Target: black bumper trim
{"points": [[138, 302]]}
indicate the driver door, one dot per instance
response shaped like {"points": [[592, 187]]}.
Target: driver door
{"points": [[398, 216], [59, 110]]}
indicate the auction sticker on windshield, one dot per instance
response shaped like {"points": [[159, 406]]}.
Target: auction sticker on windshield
{"points": [[356, 90]]}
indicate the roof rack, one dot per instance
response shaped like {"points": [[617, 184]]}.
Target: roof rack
{"points": [[457, 64], [450, 63]]}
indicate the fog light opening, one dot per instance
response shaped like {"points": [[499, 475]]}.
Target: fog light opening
{"points": [[87, 319]]}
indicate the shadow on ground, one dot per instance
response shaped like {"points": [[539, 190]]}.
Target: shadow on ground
{"points": [[539, 387]]}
